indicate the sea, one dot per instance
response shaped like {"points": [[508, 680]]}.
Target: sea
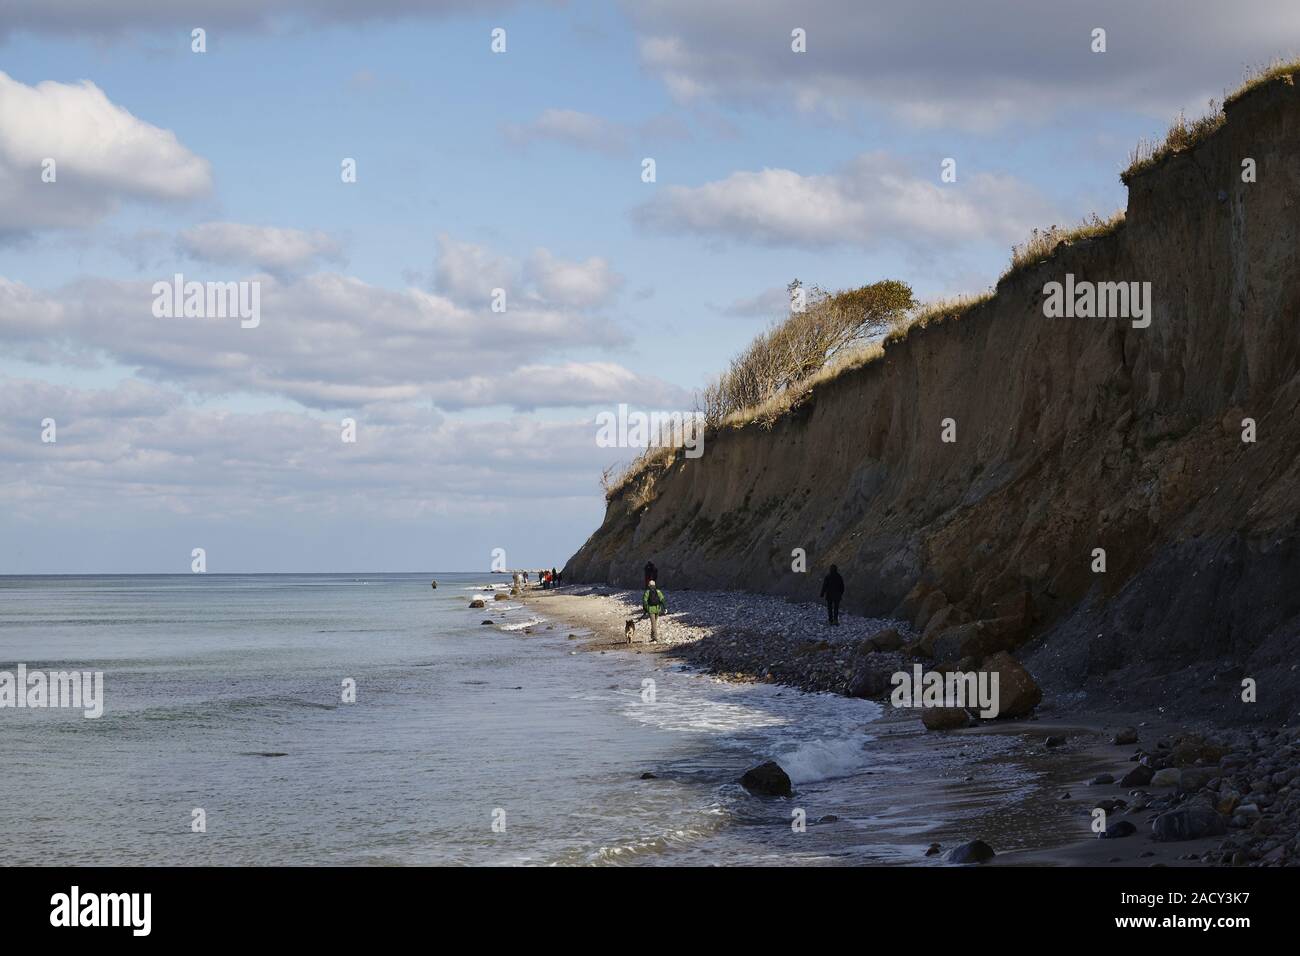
{"points": [[371, 719]]}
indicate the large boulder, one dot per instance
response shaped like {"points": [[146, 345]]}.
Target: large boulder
{"points": [[1165, 778], [887, 640], [1192, 748], [767, 779], [944, 718], [946, 617], [976, 851], [1018, 693], [478, 602], [1139, 776], [1192, 779], [871, 680], [1188, 823], [929, 605]]}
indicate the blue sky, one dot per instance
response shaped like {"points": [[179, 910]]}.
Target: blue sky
{"points": [[477, 170]]}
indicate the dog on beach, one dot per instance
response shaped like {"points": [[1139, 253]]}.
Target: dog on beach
{"points": [[629, 628]]}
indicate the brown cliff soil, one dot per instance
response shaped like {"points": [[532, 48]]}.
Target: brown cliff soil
{"points": [[1071, 434]]}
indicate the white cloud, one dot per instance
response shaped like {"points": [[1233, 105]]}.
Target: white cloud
{"points": [[573, 128], [580, 285], [532, 385], [333, 341], [873, 199], [102, 155], [953, 63], [467, 273], [587, 131], [271, 248], [148, 450], [96, 18]]}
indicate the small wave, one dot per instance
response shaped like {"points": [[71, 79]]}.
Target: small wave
{"points": [[638, 849], [824, 759], [698, 715], [520, 625]]}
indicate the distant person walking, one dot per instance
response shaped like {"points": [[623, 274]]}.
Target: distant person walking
{"points": [[651, 574], [653, 603], [833, 592]]}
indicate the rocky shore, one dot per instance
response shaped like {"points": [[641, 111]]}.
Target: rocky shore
{"points": [[1186, 794]]}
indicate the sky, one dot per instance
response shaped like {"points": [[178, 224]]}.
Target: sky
{"points": [[497, 145]]}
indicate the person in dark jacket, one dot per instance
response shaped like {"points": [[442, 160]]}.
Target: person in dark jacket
{"points": [[651, 573], [833, 592]]}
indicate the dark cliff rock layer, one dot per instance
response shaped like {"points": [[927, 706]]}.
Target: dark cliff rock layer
{"points": [[1072, 434]]}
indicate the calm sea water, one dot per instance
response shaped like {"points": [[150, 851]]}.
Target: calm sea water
{"points": [[224, 692]]}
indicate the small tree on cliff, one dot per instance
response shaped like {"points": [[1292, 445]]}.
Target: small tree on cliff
{"points": [[791, 351]]}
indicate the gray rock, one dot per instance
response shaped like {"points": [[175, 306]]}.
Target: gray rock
{"points": [[1118, 830], [1139, 776], [1187, 823], [1123, 738], [944, 718], [767, 779], [1166, 778], [977, 851]]}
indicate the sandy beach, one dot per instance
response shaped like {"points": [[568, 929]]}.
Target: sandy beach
{"points": [[756, 638]]}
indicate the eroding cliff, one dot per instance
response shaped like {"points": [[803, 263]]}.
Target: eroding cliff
{"points": [[1071, 435]]}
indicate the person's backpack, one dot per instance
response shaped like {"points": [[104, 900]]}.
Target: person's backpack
{"points": [[656, 599]]}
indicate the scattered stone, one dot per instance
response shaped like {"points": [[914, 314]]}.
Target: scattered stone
{"points": [[1139, 776], [1116, 831], [1055, 742], [648, 776], [485, 622], [933, 849], [1102, 779], [829, 818], [767, 779], [977, 851], [500, 596], [477, 602], [1123, 738]]}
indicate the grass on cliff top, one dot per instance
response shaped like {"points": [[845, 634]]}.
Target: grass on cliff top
{"points": [[1184, 135], [1043, 242]]}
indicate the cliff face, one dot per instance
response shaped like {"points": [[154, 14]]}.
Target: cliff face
{"points": [[1071, 434]]}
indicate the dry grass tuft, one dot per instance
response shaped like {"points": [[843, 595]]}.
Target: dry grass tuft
{"points": [[1043, 242], [1185, 135]]}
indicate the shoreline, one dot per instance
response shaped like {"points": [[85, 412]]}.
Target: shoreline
{"points": [[746, 638]]}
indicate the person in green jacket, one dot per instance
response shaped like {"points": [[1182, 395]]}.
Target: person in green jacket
{"points": [[653, 603]]}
